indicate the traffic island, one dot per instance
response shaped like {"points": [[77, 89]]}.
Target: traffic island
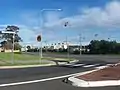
{"points": [[108, 76]]}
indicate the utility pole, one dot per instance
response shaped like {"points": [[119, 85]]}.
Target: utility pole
{"points": [[67, 47], [13, 49], [46, 47], [42, 24], [80, 44]]}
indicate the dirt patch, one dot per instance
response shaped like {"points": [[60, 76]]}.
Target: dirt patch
{"points": [[110, 73]]}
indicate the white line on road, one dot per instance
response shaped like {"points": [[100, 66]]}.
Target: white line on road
{"points": [[90, 65], [76, 65], [35, 81]]}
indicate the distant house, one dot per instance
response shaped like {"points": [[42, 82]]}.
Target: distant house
{"points": [[7, 47], [72, 47]]}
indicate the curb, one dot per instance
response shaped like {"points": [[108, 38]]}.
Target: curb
{"points": [[82, 83], [27, 66], [24, 66]]}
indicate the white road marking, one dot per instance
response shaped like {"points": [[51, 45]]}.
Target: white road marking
{"points": [[90, 65], [68, 64], [36, 81], [101, 67], [43, 80], [78, 65]]}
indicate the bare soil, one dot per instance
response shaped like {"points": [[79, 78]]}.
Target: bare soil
{"points": [[110, 73]]}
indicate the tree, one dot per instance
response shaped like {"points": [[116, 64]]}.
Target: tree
{"points": [[9, 36], [94, 46], [28, 47], [17, 46], [104, 47]]}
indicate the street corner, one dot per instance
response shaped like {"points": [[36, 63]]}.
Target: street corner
{"points": [[108, 76]]}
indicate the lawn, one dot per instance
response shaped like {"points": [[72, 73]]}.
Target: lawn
{"points": [[19, 59], [8, 56], [23, 59]]}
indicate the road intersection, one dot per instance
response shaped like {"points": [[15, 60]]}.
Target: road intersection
{"points": [[47, 78]]}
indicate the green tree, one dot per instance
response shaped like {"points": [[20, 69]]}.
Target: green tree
{"points": [[28, 47], [104, 47], [8, 37]]}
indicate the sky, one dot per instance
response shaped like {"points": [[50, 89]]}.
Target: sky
{"points": [[42, 17]]}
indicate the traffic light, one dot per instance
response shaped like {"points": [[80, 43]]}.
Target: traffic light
{"points": [[66, 23]]}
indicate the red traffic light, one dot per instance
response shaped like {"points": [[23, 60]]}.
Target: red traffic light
{"points": [[39, 38]]}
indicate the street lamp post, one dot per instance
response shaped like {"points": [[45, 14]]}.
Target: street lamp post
{"points": [[67, 43], [10, 32], [43, 25], [81, 38], [80, 44], [46, 46], [13, 49]]}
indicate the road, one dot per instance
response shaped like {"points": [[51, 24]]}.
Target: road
{"points": [[106, 58], [45, 78]]}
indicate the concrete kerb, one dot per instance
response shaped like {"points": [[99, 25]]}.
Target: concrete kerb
{"points": [[82, 83], [24, 66]]}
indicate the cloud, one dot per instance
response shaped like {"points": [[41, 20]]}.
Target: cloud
{"points": [[30, 19], [107, 17]]}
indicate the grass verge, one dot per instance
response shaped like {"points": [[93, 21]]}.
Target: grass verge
{"points": [[24, 59]]}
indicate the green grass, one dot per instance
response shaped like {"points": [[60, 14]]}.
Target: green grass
{"points": [[8, 56], [19, 59], [24, 59]]}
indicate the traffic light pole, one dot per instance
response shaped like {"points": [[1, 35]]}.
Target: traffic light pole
{"points": [[80, 45], [13, 49]]}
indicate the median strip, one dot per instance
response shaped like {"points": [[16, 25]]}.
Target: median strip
{"points": [[105, 76]]}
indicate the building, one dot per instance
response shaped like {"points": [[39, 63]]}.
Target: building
{"points": [[70, 46]]}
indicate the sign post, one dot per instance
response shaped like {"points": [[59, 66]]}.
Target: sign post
{"points": [[40, 49]]}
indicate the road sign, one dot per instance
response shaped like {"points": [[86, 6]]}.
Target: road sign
{"points": [[39, 38]]}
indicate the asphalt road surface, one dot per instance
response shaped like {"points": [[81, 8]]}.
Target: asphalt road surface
{"points": [[106, 58], [45, 78]]}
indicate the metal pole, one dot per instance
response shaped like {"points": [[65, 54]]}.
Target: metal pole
{"points": [[46, 46], [80, 45], [68, 51], [67, 48], [40, 50], [84, 45], [41, 55], [13, 50]]}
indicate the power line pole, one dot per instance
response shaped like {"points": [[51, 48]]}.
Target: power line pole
{"points": [[13, 49], [42, 24], [67, 47], [80, 44]]}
